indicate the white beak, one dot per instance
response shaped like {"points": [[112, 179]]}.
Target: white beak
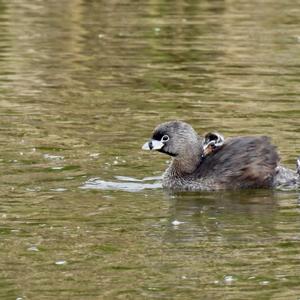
{"points": [[153, 145]]}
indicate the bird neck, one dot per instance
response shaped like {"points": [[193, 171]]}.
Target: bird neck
{"points": [[188, 162]]}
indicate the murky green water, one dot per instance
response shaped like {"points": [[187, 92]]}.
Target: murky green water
{"points": [[82, 84]]}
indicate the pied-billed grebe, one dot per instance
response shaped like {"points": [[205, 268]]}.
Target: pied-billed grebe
{"points": [[212, 163], [212, 142]]}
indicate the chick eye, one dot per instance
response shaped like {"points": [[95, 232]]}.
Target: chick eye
{"points": [[165, 138]]}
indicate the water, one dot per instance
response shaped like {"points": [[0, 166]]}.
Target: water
{"points": [[82, 84]]}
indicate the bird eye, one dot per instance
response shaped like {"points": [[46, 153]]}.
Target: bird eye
{"points": [[165, 138]]}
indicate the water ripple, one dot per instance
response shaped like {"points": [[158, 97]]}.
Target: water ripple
{"points": [[130, 185]]}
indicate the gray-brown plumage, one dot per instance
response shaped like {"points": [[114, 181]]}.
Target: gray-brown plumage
{"points": [[241, 162]]}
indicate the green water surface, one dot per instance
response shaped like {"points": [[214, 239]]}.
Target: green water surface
{"points": [[82, 85]]}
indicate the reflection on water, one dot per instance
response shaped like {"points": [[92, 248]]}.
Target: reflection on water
{"points": [[129, 184], [82, 83]]}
